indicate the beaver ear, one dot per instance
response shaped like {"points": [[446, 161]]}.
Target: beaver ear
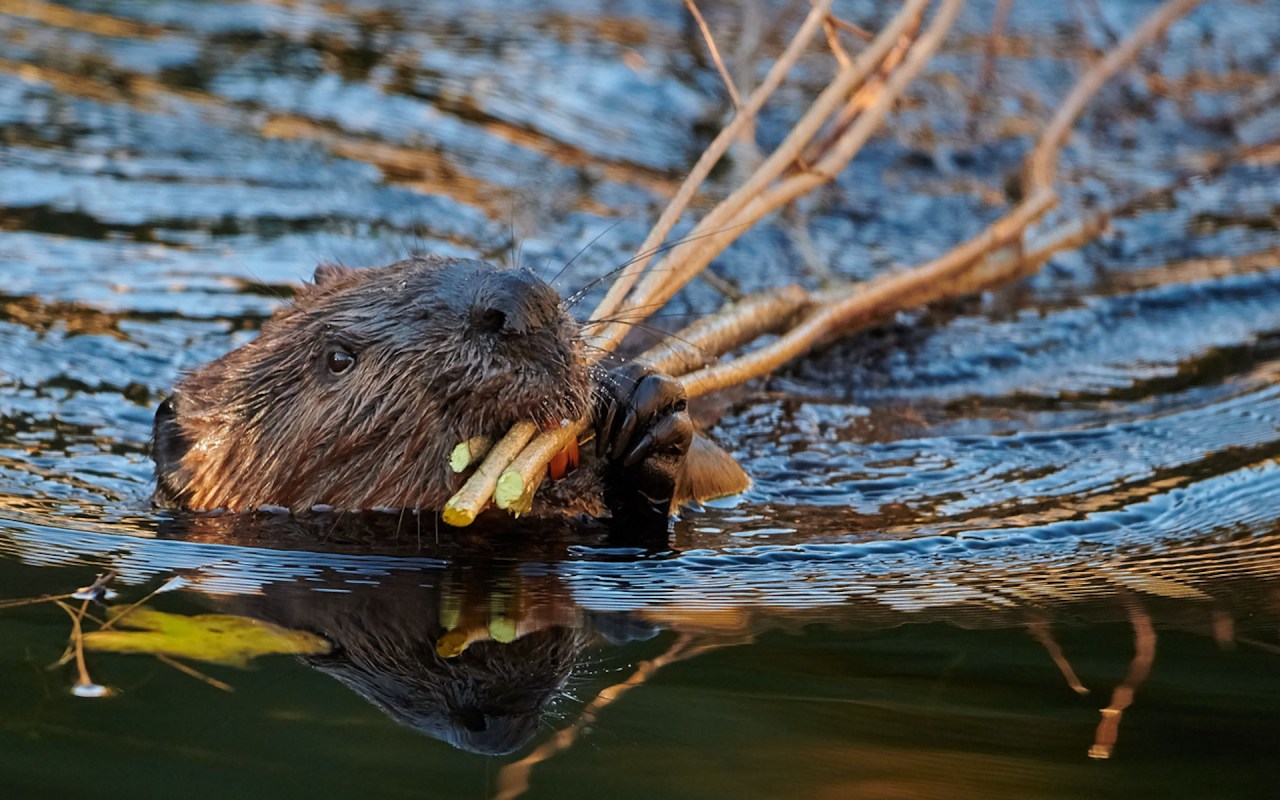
{"points": [[168, 446], [708, 472], [327, 272]]}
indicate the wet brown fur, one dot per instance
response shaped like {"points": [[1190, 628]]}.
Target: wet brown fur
{"points": [[269, 425]]}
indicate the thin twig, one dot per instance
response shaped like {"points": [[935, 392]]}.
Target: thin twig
{"points": [[85, 686], [862, 33], [31, 601], [833, 43], [709, 158], [195, 673], [715, 53]]}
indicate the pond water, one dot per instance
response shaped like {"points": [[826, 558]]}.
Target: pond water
{"points": [[1024, 545]]}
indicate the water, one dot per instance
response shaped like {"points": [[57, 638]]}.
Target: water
{"points": [[1084, 464]]}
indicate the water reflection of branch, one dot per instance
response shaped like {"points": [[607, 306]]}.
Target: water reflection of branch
{"points": [[513, 779], [1042, 633], [1144, 655]]}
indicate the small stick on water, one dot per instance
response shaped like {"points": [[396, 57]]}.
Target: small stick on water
{"points": [[30, 601], [85, 687], [463, 508], [186, 669], [516, 486], [469, 452]]}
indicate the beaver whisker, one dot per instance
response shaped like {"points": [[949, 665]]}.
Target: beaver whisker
{"points": [[584, 249], [663, 335], [644, 255]]}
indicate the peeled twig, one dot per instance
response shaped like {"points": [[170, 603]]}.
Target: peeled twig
{"points": [[728, 329], [517, 484], [469, 452], [467, 503]]}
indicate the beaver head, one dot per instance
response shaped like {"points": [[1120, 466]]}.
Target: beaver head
{"points": [[352, 395]]}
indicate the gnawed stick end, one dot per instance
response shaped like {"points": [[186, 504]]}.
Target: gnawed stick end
{"points": [[469, 452], [457, 516], [467, 503], [509, 491], [517, 485]]}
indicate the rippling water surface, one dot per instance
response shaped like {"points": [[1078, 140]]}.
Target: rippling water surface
{"points": [[1023, 545]]}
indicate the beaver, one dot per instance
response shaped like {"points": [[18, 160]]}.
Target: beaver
{"points": [[352, 396]]}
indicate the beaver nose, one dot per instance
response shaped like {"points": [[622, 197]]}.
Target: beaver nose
{"points": [[514, 303]]}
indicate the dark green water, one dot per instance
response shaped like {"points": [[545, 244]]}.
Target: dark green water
{"points": [[1085, 461], [813, 710]]}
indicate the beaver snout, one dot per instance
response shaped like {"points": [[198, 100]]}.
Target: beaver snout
{"points": [[514, 302]]}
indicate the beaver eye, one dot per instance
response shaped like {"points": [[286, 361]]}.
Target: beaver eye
{"points": [[338, 360]]}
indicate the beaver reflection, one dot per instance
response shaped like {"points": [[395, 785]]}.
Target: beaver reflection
{"points": [[477, 659], [488, 699]]}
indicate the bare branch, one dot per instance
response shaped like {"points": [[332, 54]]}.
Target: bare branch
{"points": [[715, 53]]}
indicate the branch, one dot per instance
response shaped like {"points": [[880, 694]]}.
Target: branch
{"points": [[977, 264], [709, 158]]}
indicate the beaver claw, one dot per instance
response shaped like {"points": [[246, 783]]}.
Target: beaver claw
{"points": [[643, 432]]}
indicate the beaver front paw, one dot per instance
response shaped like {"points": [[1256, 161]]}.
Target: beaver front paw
{"points": [[643, 433]]}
